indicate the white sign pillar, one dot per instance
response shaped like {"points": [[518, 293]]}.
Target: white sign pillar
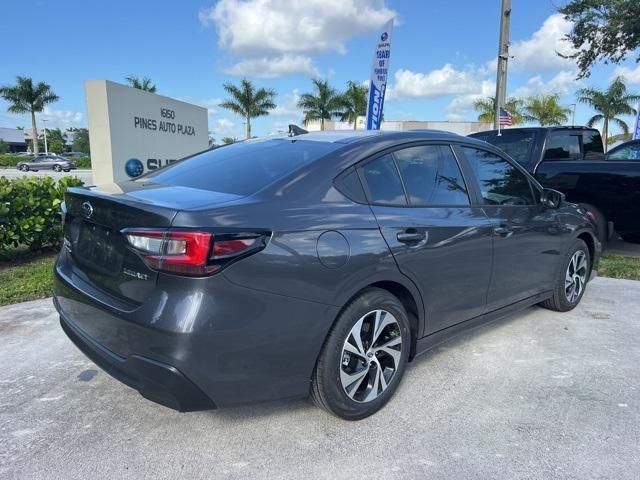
{"points": [[132, 131]]}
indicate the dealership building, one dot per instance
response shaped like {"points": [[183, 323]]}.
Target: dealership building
{"points": [[461, 128], [15, 138]]}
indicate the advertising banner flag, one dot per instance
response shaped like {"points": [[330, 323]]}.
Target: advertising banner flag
{"points": [[378, 81], [636, 131]]}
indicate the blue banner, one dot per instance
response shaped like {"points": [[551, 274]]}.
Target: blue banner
{"points": [[636, 131], [378, 81]]}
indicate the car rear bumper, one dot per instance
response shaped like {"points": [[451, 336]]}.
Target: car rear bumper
{"points": [[156, 381], [233, 344]]}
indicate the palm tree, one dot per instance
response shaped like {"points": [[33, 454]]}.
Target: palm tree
{"points": [[487, 111], [354, 103], [25, 97], [609, 103], [325, 104], [145, 84], [249, 102], [545, 110]]}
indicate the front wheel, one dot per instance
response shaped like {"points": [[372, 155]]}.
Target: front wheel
{"points": [[572, 281], [364, 356]]}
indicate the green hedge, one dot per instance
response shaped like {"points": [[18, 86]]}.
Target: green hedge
{"points": [[30, 210], [12, 161]]}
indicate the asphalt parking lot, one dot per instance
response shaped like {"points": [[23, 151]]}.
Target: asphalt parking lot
{"points": [[538, 395]]}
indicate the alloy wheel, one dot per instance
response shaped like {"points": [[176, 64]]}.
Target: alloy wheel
{"points": [[576, 276], [371, 356]]}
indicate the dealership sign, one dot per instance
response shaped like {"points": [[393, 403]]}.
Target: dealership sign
{"points": [[378, 81], [132, 131]]}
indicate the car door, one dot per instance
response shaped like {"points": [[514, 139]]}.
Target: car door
{"points": [[438, 237], [527, 236]]}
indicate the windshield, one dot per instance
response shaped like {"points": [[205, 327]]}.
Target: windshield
{"points": [[242, 168], [515, 143]]}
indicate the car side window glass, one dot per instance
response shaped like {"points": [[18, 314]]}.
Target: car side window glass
{"points": [[592, 144], [431, 176], [562, 146], [631, 152], [383, 182], [501, 183]]}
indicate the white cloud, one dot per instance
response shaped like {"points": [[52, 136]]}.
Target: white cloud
{"points": [[287, 105], [540, 52], [254, 27], [460, 107], [272, 67], [562, 83], [436, 83], [631, 75], [60, 118]]}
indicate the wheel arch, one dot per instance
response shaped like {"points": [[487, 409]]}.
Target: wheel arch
{"points": [[588, 238]]}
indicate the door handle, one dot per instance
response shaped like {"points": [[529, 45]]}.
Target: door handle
{"points": [[411, 236], [503, 230]]}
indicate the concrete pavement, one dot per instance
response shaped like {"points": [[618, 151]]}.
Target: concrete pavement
{"points": [[85, 175], [539, 395]]}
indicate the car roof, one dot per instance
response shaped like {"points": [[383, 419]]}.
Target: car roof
{"points": [[370, 136]]}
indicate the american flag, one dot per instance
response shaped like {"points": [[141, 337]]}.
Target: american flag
{"points": [[506, 120]]}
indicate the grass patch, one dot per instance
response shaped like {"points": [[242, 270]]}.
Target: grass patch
{"points": [[26, 279], [617, 266]]}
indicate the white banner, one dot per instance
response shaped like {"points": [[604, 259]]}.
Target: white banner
{"points": [[636, 130], [379, 73]]}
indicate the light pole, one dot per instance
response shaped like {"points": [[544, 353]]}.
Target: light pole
{"points": [[573, 115], [46, 151], [503, 59]]}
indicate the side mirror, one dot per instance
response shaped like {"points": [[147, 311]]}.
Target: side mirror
{"points": [[552, 198]]}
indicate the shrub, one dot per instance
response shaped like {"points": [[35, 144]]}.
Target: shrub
{"points": [[10, 160], [83, 162], [30, 210]]}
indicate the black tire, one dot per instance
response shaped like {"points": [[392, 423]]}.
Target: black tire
{"points": [[560, 302], [631, 237], [57, 168], [67, 170], [24, 168], [600, 220], [327, 390]]}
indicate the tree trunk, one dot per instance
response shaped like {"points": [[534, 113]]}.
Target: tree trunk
{"points": [[248, 131], [322, 124], [605, 134], [355, 122], [34, 133]]}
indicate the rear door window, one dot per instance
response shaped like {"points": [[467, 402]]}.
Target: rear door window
{"points": [[563, 145], [383, 182], [431, 176], [632, 152]]}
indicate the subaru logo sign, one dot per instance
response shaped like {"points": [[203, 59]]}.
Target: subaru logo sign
{"points": [[384, 36], [87, 210], [134, 167]]}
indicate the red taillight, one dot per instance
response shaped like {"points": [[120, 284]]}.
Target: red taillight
{"points": [[190, 252]]}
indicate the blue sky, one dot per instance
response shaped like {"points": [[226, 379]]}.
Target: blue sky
{"points": [[441, 57]]}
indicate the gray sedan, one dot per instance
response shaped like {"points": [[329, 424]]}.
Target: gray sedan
{"points": [[47, 162]]}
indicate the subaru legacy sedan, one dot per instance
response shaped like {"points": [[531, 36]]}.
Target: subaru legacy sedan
{"points": [[319, 264]]}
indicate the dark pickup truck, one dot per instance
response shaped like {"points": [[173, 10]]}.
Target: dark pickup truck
{"points": [[572, 160]]}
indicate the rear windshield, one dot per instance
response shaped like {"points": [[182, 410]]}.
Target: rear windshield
{"points": [[516, 144], [242, 168]]}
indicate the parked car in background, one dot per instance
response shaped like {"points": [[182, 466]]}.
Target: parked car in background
{"points": [[625, 151], [320, 263], [572, 160], [47, 162]]}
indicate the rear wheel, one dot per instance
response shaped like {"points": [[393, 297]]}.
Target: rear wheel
{"points": [[600, 221], [572, 281], [57, 168], [364, 356], [24, 168]]}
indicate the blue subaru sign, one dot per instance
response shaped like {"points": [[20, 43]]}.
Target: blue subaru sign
{"points": [[134, 167]]}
